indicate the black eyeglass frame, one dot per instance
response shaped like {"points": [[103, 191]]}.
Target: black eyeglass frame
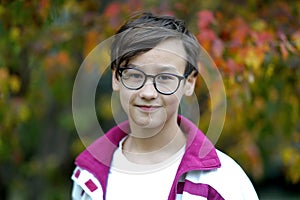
{"points": [[180, 78]]}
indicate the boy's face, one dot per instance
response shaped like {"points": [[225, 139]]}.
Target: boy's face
{"points": [[146, 107]]}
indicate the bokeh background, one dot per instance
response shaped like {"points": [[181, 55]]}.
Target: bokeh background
{"points": [[255, 45]]}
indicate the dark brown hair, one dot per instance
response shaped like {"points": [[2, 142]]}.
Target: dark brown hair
{"points": [[143, 32]]}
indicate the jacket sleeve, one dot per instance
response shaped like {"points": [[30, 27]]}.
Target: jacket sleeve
{"points": [[238, 185], [85, 186], [228, 182], [78, 193]]}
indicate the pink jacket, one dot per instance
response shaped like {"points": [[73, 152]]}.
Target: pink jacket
{"points": [[204, 172]]}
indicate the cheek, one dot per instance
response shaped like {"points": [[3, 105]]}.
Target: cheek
{"points": [[172, 103], [125, 99]]}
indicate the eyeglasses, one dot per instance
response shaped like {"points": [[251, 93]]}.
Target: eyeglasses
{"points": [[164, 83]]}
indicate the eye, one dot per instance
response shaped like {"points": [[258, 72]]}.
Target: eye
{"points": [[137, 75], [166, 77], [132, 74]]}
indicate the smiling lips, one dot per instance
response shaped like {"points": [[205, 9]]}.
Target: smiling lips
{"points": [[148, 108]]}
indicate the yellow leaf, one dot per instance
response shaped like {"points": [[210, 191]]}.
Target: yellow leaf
{"points": [[3, 82], [14, 33], [91, 40], [291, 160], [253, 59], [296, 40], [3, 74], [270, 70], [15, 84], [2, 9], [259, 25], [24, 113]]}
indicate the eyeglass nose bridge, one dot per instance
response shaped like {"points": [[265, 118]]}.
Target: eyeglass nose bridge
{"points": [[153, 81], [151, 76]]}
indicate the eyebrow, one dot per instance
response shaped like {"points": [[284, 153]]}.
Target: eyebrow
{"points": [[161, 68]]}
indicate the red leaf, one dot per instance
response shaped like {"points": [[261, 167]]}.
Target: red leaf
{"points": [[205, 18], [217, 48], [240, 32], [263, 37], [283, 50], [207, 34], [112, 10]]}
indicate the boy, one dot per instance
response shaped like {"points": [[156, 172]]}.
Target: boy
{"points": [[156, 153]]}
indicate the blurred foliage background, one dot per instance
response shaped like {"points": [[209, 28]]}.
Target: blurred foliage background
{"points": [[254, 43]]}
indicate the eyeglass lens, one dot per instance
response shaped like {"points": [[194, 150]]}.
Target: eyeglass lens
{"points": [[165, 83]]}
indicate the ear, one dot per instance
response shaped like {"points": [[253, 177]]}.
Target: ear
{"points": [[190, 84], [115, 82]]}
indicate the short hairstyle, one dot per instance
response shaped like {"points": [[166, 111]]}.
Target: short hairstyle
{"points": [[143, 32]]}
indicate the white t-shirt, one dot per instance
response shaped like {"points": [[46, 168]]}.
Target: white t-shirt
{"points": [[130, 181]]}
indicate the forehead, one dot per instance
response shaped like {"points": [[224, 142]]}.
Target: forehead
{"points": [[170, 53]]}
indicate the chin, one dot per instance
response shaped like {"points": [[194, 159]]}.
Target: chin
{"points": [[148, 121], [151, 121]]}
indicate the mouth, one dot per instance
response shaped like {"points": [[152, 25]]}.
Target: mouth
{"points": [[148, 108]]}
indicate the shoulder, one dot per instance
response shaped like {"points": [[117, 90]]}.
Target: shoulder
{"points": [[229, 180], [229, 165], [85, 185]]}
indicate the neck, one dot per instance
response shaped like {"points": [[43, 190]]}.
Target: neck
{"points": [[162, 143]]}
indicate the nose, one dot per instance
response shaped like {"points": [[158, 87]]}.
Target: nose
{"points": [[148, 91]]}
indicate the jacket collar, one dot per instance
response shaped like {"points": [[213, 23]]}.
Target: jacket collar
{"points": [[200, 153]]}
